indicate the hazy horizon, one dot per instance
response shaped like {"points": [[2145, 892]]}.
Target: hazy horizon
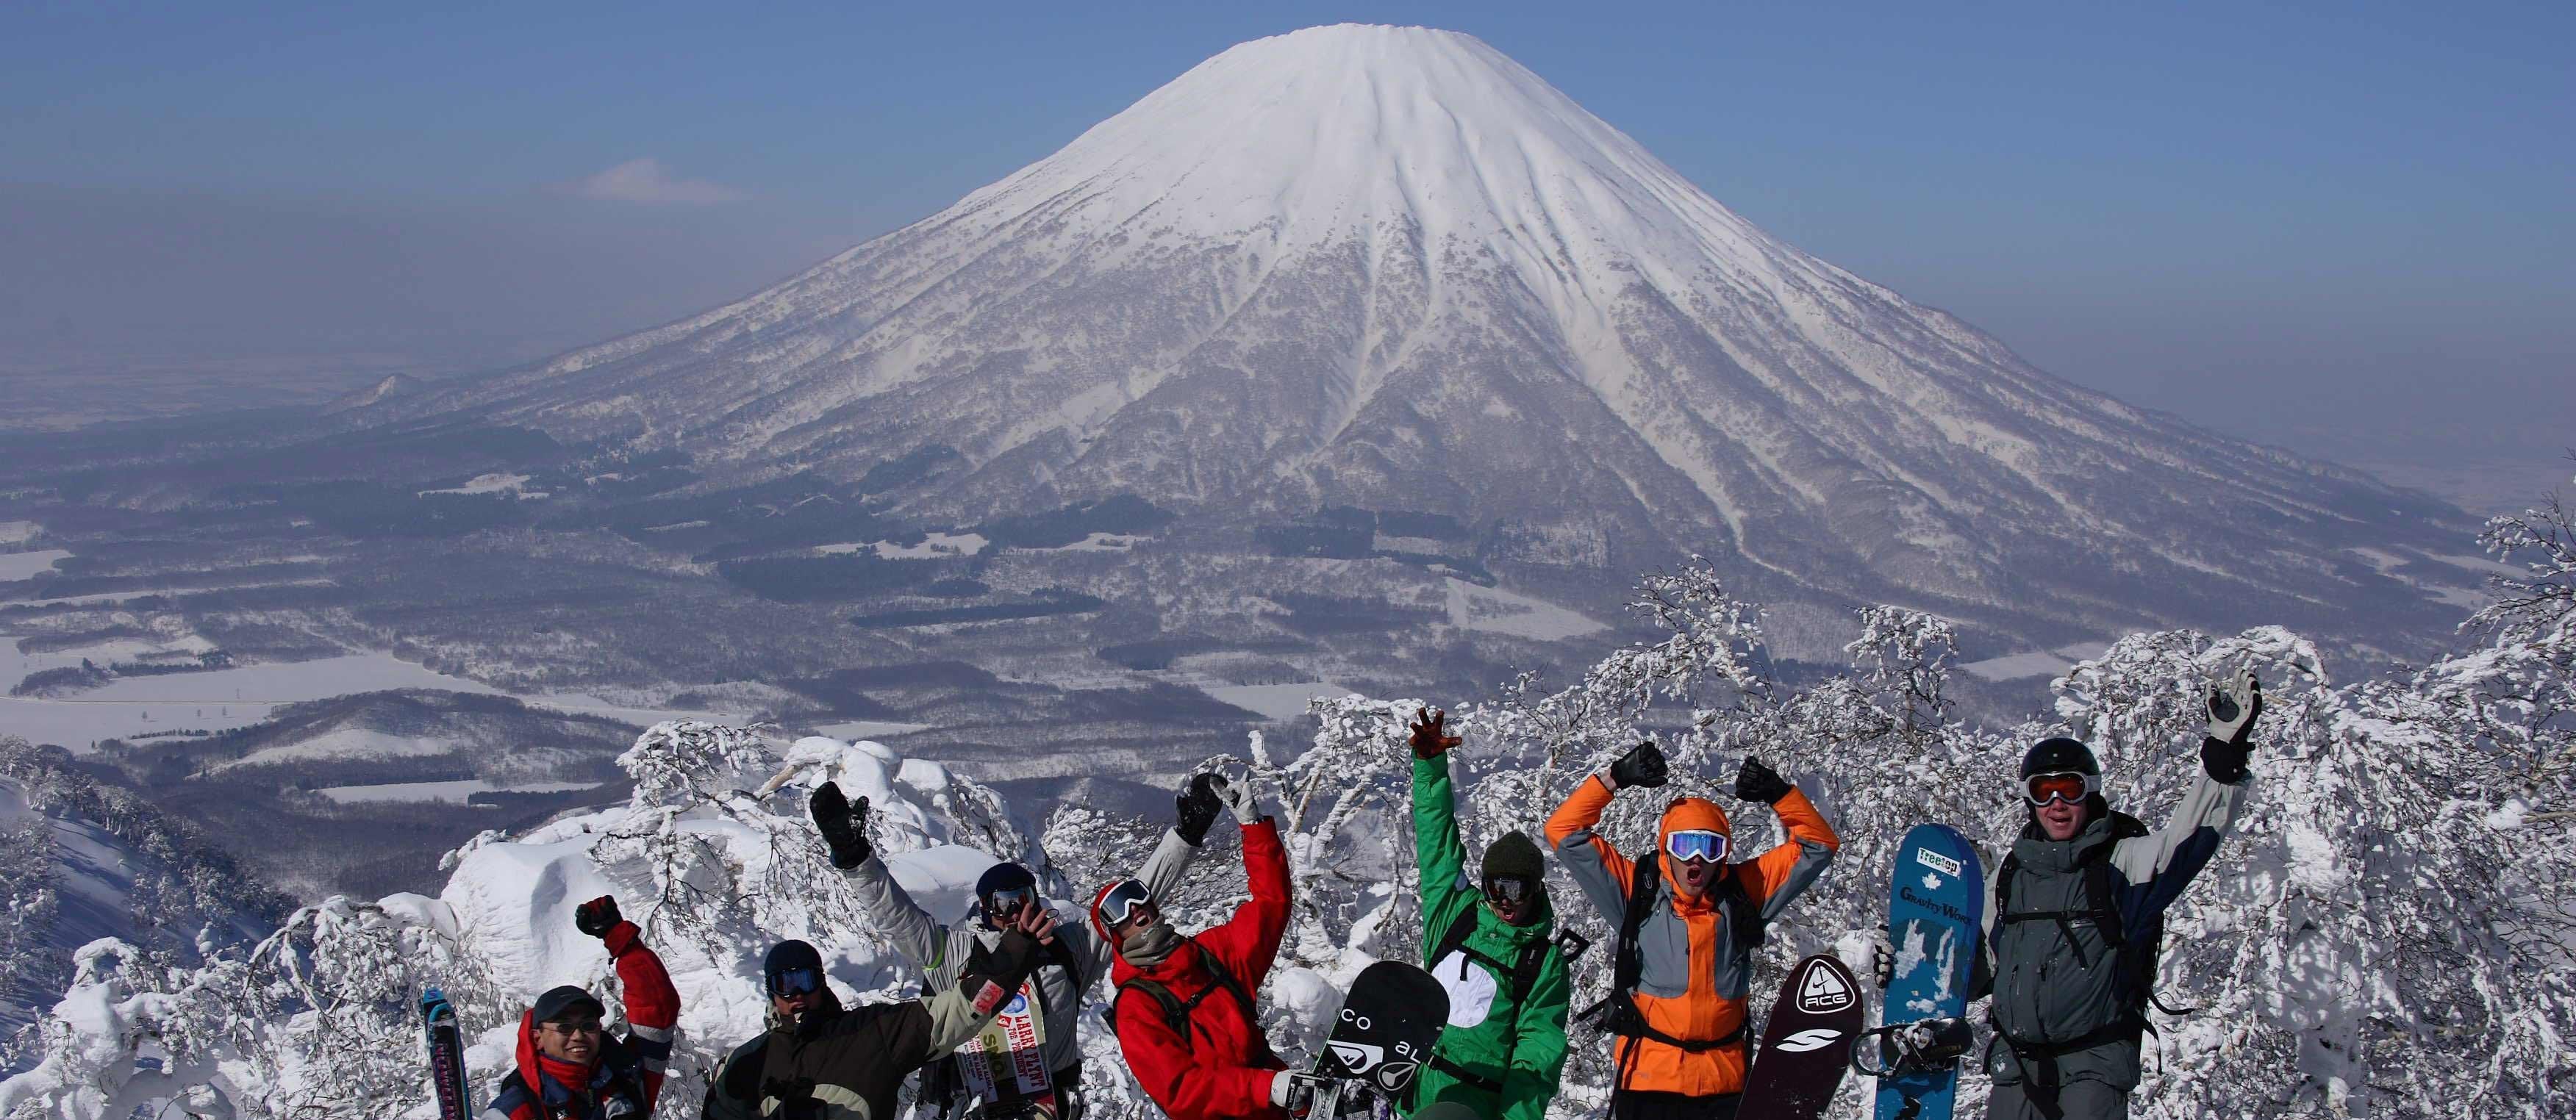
{"points": [[2343, 235]]}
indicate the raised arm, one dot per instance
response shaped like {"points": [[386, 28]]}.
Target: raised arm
{"points": [[924, 941], [2158, 866], [1437, 851], [652, 1004], [1596, 866], [1249, 940], [1778, 876]]}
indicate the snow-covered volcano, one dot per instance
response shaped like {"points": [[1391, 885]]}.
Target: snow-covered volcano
{"points": [[1391, 268]]}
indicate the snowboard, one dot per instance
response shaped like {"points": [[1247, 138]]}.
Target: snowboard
{"points": [[446, 1056], [1807, 1042], [1004, 1065], [1933, 923], [1380, 1039]]}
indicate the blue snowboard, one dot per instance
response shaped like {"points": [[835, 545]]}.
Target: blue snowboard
{"points": [[1933, 914]]}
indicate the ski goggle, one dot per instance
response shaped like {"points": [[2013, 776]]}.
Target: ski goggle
{"points": [[795, 981], [1122, 902], [1001, 904], [1697, 843], [1510, 889], [2066, 785]]}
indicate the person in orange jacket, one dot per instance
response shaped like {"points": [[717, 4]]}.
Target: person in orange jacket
{"points": [[1688, 922]]}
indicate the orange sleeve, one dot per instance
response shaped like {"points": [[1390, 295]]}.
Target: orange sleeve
{"points": [[1765, 874], [1595, 866]]}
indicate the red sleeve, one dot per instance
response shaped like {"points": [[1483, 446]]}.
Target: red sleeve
{"points": [[1183, 1089], [1249, 942], [652, 1005]]}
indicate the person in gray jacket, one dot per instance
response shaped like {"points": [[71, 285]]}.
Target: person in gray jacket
{"points": [[2074, 915], [1076, 959]]}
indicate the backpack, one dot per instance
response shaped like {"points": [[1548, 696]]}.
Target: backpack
{"points": [[1521, 975], [1176, 1011], [2138, 957], [1746, 930]]}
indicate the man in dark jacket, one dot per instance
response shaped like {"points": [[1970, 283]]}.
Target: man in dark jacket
{"points": [[570, 1067], [2073, 917], [821, 1061]]}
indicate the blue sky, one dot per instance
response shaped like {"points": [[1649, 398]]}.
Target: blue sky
{"points": [[2345, 217]]}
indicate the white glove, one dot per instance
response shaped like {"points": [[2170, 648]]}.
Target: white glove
{"points": [[2233, 704], [1237, 797], [1882, 958]]}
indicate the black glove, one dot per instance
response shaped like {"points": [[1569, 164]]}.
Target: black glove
{"points": [[2230, 742], [1642, 767], [1197, 807], [1756, 782], [844, 826], [597, 916]]}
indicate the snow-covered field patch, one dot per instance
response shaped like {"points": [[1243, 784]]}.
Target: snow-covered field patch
{"points": [[1274, 701], [935, 546], [24, 565], [2037, 663], [212, 701], [345, 743], [491, 484], [1502, 612], [456, 792], [19, 532]]}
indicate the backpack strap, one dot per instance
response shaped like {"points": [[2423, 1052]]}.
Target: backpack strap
{"points": [[1521, 974], [1628, 963], [1176, 1011]]}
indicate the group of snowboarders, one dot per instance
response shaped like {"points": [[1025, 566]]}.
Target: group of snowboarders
{"points": [[2065, 942]]}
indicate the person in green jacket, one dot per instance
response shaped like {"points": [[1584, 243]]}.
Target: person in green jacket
{"points": [[1488, 940]]}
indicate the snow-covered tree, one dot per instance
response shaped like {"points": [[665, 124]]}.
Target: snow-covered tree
{"points": [[2386, 935]]}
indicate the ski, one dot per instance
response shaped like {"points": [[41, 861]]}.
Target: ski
{"points": [[446, 1056], [1380, 1039], [1806, 1042], [1933, 922]]}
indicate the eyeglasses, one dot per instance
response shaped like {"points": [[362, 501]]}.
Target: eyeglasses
{"points": [[2070, 786], [1002, 904], [1697, 843], [570, 1027], [1509, 889], [795, 981], [1122, 902]]}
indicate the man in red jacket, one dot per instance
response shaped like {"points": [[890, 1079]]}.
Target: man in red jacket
{"points": [[1183, 1005], [570, 1067]]}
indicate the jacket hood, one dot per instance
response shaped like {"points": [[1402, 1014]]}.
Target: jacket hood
{"points": [[535, 1067], [1688, 813]]}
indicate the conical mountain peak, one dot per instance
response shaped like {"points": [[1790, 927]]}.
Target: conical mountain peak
{"points": [[1392, 269]]}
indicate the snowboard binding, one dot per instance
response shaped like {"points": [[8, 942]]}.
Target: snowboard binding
{"points": [[1917, 1047]]}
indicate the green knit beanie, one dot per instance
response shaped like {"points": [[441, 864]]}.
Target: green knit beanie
{"points": [[1513, 855]]}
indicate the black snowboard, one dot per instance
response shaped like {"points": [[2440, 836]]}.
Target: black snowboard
{"points": [[1807, 1043], [1383, 1035], [446, 1056]]}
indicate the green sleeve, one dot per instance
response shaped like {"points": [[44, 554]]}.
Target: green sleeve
{"points": [[1538, 1045], [1442, 859]]}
